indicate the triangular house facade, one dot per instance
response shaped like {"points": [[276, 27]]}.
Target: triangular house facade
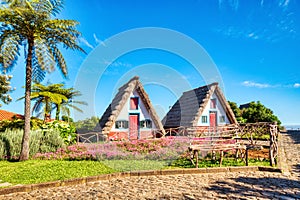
{"points": [[205, 106], [130, 114]]}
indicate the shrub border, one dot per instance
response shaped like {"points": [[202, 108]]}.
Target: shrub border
{"points": [[86, 180]]}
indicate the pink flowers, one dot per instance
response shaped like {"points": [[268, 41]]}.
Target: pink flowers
{"points": [[156, 149]]}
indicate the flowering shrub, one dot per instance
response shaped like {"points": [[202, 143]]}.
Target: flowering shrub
{"points": [[157, 149], [74, 152]]}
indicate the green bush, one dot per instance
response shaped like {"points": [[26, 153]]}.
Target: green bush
{"points": [[35, 124], [67, 131], [40, 142]]}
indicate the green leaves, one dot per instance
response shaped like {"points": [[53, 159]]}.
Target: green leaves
{"points": [[5, 89], [254, 112], [23, 21]]}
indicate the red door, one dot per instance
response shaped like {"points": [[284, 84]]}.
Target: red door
{"points": [[213, 119], [133, 127]]}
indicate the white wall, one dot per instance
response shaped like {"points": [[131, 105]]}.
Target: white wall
{"points": [[142, 111], [220, 112]]}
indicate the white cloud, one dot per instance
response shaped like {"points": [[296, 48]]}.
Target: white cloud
{"points": [[98, 41], [118, 64], [252, 36], [283, 3], [85, 42], [257, 85], [265, 85], [297, 85]]}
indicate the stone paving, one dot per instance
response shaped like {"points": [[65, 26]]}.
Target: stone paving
{"points": [[225, 185]]}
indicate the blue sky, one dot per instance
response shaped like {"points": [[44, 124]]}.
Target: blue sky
{"points": [[251, 46]]}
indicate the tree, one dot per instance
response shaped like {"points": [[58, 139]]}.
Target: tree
{"points": [[53, 96], [66, 105], [257, 112], [237, 112], [87, 125], [5, 88], [253, 112], [29, 23], [45, 97]]}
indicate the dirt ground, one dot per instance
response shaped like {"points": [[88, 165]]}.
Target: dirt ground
{"points": [[259, 154]]}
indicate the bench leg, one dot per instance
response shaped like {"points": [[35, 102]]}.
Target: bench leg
{"points": [[221, 158], [196, 154], [247, 157]]}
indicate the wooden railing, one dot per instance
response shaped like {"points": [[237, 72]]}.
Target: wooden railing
{"points": [[248, 136]]}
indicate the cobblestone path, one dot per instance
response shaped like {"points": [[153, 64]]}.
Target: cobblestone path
{"points": [[229, 185], [291, 144]]}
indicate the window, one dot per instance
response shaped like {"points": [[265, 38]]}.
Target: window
{"points": [[213, 103], [121, 124], [222, 119], [147, 123], [134, 102], [204, 119]]}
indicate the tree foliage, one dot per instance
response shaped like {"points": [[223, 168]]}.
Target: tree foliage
{"points": [[31, 24], [257, 112], [87, 125], [5, 89], [254, 112], [237, 112], [44, 97], [53, 96]]}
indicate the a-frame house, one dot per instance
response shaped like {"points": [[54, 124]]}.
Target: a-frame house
{"points": [[130, 115], [205, 106]]}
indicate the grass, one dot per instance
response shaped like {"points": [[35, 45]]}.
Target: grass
{"points": [[186, 163], [135, 165], [37, 171]]}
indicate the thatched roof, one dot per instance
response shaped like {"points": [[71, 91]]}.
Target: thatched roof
{"points": [[188, 109], [113, 110]]}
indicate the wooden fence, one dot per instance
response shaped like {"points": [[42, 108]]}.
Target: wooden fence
{"points": [[249, 134], [252, 135]]}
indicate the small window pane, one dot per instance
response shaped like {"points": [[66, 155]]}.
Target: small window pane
{"points": [[222, 119], [147, 123], [121, 124], [204, 119]]}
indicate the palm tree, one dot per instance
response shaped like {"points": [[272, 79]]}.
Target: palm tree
{"points": [[45, 97], [65, 106], [53, 97], [29, 23]]}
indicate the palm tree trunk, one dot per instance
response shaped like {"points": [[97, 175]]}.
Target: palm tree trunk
{"points": [[24, 155], [57, 112]]}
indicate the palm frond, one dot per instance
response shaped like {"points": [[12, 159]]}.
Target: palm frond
{"points": [[61, 63], [9, 49]]}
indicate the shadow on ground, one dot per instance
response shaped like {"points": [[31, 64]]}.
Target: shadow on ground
{"points": [[296, 170], [295, 135], [249, 187]]}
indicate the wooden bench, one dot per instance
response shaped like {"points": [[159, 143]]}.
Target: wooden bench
{"points": [[216, 145]]}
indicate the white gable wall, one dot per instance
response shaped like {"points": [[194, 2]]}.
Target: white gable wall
{"points": [[220, 112], [142, 111]]}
